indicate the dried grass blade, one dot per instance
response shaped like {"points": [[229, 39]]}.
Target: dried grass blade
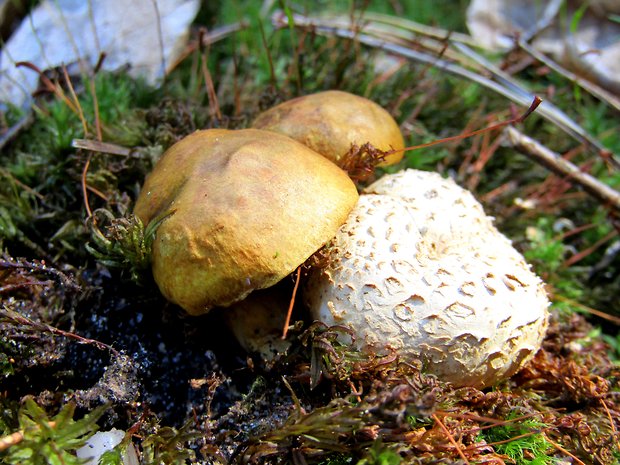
{"points": [[98, 146], [507, 87], [554, 162], [588, 86]]}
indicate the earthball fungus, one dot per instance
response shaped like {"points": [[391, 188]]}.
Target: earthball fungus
{"points": [[241, 210], [419, 268], [330, 122]]}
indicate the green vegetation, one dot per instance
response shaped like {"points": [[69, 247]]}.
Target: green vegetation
{"points": [[522, 441], [50, 440], [72, 253]]}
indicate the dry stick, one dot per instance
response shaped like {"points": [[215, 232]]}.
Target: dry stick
{"points": [[160, 38], [594, 89], [509, 82], [14, 130], [495, 422], [450, 438], [12, 287], [519, 119], [25, 187], [290, 306], [99, 138], [505, 441], [272, 73], [97, 146], [585, 253], [93, 92], [514, 92], [20, 319], [585, 308], [214, 105], [208, 39], [89, 212], [17, 437], [76, 101], [49, 85], [611, 423], [554, 162], [561, 449]]}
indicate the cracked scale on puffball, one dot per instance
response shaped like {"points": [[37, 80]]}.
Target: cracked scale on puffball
{"points": [[419, 268]]}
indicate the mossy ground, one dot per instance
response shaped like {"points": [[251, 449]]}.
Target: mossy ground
{"points": [[78, 331]]}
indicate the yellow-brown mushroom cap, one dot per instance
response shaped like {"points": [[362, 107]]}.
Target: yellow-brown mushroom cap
{"points": [[330, 122], [248, 207]]}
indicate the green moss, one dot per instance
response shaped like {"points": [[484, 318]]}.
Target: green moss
{"points": [[50, 440], [522, 441]]}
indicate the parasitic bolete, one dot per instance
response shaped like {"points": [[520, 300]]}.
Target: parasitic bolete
{"points": [[331, 122], [245, 207]]}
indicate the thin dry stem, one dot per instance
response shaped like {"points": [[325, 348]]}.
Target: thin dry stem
{"points": [[519, 119], [89, 212], [585, 308], [291, 304], [76, 101], [17, 437], [450, 438], [587, 252], [98, 146], [562, 167], [561, 449], [611, 423], [20, 319]]}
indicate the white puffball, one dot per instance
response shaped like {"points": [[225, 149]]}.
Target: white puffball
{"points": [[420, 269]]}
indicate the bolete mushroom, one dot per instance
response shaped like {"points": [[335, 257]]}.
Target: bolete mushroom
{"points": [[245, 209], [330, 122], [419, 268], [258, 320]]}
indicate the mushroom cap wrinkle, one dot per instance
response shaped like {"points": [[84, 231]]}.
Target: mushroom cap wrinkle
{"points": [[418, 268], [246, 208], [330, 122]]}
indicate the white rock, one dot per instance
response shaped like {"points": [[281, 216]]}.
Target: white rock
{"points": [[419, 268], [67, 31], [104, 441]]}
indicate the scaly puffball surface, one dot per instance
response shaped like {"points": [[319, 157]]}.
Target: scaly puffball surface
{"points": [[419, 268]]}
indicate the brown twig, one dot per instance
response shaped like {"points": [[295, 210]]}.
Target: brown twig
{"points": [[76, 102], [498, 83], [590, 87], [48, 84], [291, 304], [518, 119], [561, 449], [611, 424], [562, 167], [214, 105], [584, 308], [450, 438], [17, 437], [89, 212], [8, 135], [587, 252], [93, 92], [20, 319], [207, 39]]}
